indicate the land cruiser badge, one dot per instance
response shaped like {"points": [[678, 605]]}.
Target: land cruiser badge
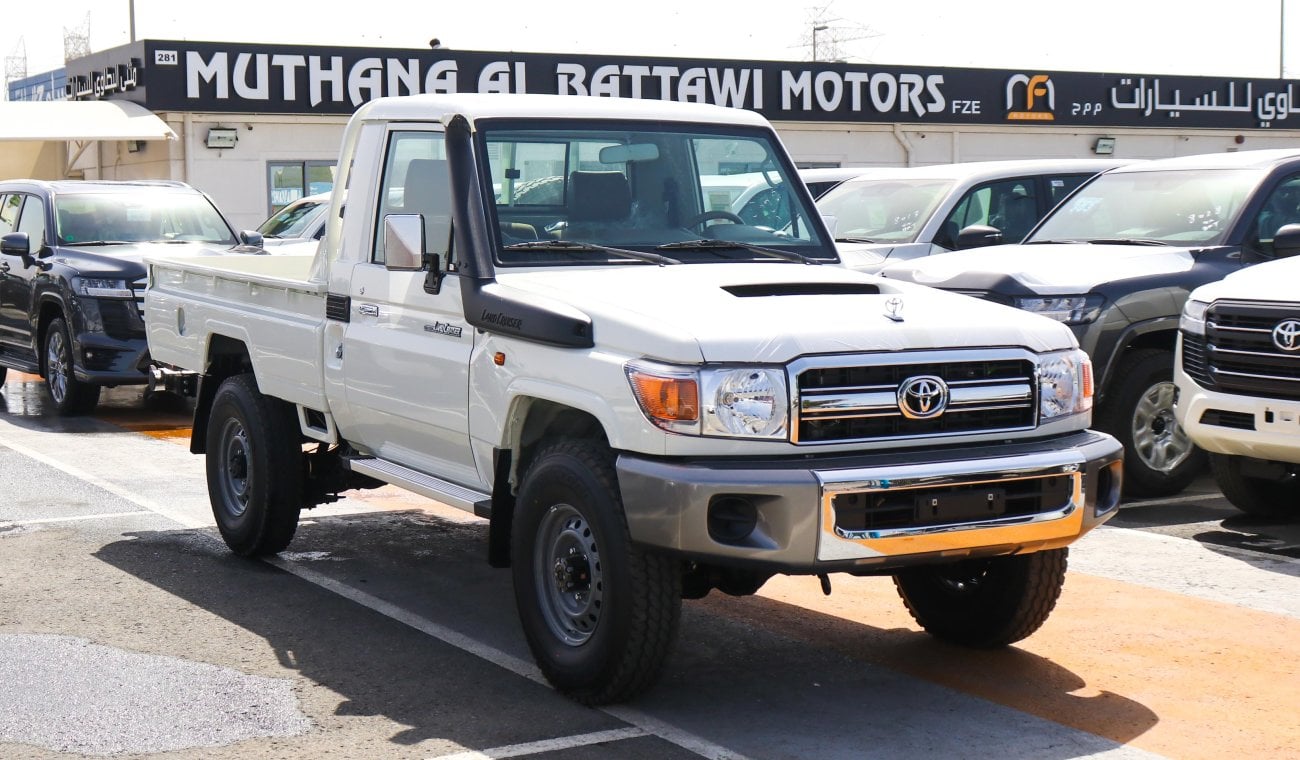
{"points": [[442, 328]]}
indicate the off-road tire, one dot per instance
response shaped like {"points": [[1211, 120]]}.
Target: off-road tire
{"points": [[1257, 497], [608, 643], [984, 603], [1159, 458], [254, 467], [71, 396]]}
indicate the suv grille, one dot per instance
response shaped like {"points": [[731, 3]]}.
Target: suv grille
{"points": [[856, 400], [1237, 353]]}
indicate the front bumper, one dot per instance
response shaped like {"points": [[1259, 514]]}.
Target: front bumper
{"points": [[825, 514], [1228, 423]]}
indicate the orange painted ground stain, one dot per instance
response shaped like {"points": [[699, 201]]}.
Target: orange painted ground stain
{"points": [[1160, 671]]}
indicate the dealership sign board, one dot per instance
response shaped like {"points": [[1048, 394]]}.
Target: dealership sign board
{"points": [[248, 78]]}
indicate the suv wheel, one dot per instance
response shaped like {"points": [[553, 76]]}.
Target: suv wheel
{"points": [[70, 395], [1159, 458]]}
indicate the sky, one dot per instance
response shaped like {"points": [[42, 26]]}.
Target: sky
{"points": [[1244, 38]]}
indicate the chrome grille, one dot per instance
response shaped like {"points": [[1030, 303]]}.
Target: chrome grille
{"points": [[846, 399], [1237, 353]]}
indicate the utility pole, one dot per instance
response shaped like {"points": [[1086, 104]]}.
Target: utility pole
{"points": [[817, 28]]}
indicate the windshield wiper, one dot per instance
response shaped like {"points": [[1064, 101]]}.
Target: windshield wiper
{"points": [[576, 246], [858, 240], [1053, 242], [88, 243], [705, 243], [1126, 241]]}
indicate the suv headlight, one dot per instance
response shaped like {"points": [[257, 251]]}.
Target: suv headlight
{"points": [[1072, 310], [101, 287], [731, 402], [1064, 384], [1193, 319]]}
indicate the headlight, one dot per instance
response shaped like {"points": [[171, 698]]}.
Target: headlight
{"points": [[1064, 384], [1072, 310], [1193, 319], [101, 287], [733, 402]]}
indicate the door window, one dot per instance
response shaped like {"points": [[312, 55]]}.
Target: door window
{"points": [[9, 207], [32, 221], [1282, 207], [416, 182]]}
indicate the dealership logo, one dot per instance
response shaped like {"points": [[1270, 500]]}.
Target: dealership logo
{"points": [[1286, 335], [922, 397], [1031, 98]]}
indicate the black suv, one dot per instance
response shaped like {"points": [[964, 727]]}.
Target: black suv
{"points": [[1116, 261], [72, 276]]}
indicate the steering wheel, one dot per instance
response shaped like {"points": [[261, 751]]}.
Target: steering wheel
{"points": [[699, 219]]}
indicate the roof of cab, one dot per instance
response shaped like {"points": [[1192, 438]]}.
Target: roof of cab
{"points": [[475, 106]]}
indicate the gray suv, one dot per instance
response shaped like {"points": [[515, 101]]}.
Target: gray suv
{"points": [[72, 276]]}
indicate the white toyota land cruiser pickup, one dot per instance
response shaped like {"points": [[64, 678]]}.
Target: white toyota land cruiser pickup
{"points": [[526, 308]]}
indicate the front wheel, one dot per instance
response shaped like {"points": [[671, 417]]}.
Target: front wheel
{"points": [[1159, 458], [1257, 496], [984, 603], [254, 467], [70, 395], [600, 614]]}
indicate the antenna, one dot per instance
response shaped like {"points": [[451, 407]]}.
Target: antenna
{"points": [[76, 41], [827, 33], [16, 64]]}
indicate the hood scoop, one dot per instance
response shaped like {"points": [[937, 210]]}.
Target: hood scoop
{"points": [[766, 289]]}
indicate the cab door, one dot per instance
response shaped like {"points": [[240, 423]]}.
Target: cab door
{"points": [[406, 351], [19, 213]]}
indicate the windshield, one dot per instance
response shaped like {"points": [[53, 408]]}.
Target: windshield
{"points": [[883, 210], [131, 217], [569, 196], [1181, 207], [295, 220]]}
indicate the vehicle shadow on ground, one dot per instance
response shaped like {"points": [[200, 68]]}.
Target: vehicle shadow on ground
{"points": [[733, 654]]}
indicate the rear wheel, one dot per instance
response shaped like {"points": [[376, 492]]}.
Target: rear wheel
{"points": [[984, 603], [254, 467], [600, 614], [1159, 458], [1260, 496], [70, 395]]}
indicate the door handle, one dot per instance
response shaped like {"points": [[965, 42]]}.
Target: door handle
{"points": [[368, 310]]}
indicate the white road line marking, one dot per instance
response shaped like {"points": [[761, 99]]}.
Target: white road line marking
{"points": [[641, 720], [549, 745], [1172, 500], [104, 516], [175, 516]]}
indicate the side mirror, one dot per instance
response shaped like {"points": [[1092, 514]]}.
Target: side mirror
{"points": [[16, 244], [1286, 241], [978, 236], [251, 238]]}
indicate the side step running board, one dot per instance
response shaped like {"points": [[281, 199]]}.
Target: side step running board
{"points": [[468, 499]]}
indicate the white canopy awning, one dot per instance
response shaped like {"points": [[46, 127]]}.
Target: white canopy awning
{"points": [[80, 121]]}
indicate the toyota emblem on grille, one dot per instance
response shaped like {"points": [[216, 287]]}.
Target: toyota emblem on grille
{"points": [[922, 397], [1286, 335]]}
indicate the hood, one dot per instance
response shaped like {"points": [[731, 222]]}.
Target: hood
{"points": [[1269, 281], [775, 312], [129, 259], [1048, 269]]}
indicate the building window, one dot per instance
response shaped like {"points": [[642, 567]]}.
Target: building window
{"points": [[287, 181]]}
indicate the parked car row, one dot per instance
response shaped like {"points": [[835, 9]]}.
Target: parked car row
{"points": [[1116, 262]]}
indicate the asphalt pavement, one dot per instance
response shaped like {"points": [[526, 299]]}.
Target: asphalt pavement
{"points": [[128, 630]]}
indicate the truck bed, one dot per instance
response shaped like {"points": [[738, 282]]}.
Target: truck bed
{"points": [[266, 303]]}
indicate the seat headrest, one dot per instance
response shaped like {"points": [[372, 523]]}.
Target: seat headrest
{"points": [[427, 188], [599, 197]]}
